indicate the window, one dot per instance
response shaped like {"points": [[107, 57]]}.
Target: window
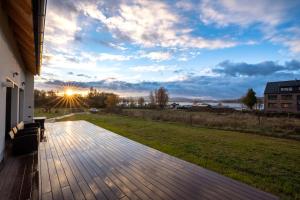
{"points": [[272, 97], [286, 89], [272, 105], [286, 105], [287, 97]]}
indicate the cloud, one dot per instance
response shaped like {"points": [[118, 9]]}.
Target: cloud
{"points": [[61, 24], [111, 57], [83, 75], [149, 68], [157, 56], [243, 12], [263, 68], [184, 5], [118, 46], [273, 18], [289, 38], [140, 23]]}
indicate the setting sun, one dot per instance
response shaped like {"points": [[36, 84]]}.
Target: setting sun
{"points": [[69, 92]]}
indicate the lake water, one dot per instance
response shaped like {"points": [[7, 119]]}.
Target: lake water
{"points": [[237, 106]]}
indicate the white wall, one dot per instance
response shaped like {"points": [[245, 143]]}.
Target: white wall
{"points": [[10, 62], [29, 98]]}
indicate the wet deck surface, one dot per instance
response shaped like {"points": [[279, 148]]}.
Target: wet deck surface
{"points": [[83, 161], [19, 177]]}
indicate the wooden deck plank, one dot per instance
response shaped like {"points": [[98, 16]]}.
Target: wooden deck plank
{"points": [[58, 166], [44, 172], [67, 193], [54, 181], [113, 176], [95, 163], [73, 182], [17, 177], [71, 178]]}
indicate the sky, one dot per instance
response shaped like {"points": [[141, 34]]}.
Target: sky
{"points": [[196, 49]]}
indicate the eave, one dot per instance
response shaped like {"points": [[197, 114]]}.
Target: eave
{"points": [[27, 20]]}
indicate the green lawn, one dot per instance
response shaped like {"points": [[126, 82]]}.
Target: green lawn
{"points": [[271, 164], [39, 112]]}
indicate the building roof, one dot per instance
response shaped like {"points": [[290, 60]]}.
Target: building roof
{"points": [[274, 87], [27, 20]]}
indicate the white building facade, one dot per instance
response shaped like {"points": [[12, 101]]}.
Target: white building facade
{"points": [[20, 60]]}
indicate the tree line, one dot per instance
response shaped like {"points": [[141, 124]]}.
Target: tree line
{"points": [[158, 98], [95, 99]]}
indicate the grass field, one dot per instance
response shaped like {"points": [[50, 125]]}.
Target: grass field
{"points": [[284, 126], [271, 164], [39, 112]]}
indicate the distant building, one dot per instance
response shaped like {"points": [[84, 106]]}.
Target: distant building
{"points": [[283, 96]]}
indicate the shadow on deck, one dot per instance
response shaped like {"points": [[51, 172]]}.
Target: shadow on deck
{"points": [[19, 177], [83, 161]]}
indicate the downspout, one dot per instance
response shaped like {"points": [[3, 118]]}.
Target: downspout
{"points": [[39, 16]]}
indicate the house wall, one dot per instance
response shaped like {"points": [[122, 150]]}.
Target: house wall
{"points": [[29, 98], [279, 101], [10, 63]]}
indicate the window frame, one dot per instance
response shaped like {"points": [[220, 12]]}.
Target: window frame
{"points": [[289, 105], [286, 89], [275, 105], [270, 96], [284, 97]]}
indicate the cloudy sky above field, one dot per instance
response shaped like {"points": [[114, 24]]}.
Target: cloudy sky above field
{"points": [[210, 49]]}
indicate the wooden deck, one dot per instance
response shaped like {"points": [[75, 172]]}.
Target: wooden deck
{"points": [[19, 178], [83, 161]]}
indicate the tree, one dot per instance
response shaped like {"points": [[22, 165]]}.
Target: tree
{"points": [[250, 99], [96, 99], [112, 101], [141, 101], [161, 97], [131, 102], [152, 99]]}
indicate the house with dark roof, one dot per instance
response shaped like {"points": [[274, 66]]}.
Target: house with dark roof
{"points": [[282, 96]]}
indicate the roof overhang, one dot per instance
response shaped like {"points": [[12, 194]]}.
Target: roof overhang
{"points": [[27, 21]]}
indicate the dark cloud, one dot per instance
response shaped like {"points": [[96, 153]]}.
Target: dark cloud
{"points": [[65, 6], [178, 71], [70, 73], [78, 37], [72, 59], [84, 75], [263, 68]]}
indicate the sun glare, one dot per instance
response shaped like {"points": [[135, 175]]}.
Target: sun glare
{"points": [[69, 92]]}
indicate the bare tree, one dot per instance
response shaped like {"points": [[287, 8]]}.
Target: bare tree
{"points": [[161, 97], [141, 101], [131, 102], [152, 99], [112, 100]]}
